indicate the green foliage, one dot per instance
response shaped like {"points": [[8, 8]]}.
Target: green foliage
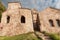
{"points": [[28, 36], [55, 36], [2, 8]]}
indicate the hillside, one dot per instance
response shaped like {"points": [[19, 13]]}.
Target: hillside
{"points": [[28, 36]]}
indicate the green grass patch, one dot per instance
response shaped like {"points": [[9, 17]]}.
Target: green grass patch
{"points": [[55, 36], [28, 36]]}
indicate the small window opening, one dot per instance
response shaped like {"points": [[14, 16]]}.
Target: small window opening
{"points": [[58, 22], [51, 22], [8, 19], [22, 19]]}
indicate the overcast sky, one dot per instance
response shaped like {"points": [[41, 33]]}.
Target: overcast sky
{"points": [[38, 4]]}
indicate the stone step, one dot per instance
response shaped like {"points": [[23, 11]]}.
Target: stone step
{"points": [[43, 36], [47, 38]]}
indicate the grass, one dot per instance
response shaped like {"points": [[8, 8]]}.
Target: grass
{"points": [[55, 36], [28, 36]]}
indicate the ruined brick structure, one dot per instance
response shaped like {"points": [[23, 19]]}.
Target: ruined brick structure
{"points": [[17, 20]]}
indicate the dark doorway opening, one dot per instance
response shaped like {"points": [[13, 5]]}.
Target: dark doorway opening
{"points": [[36, 24]]}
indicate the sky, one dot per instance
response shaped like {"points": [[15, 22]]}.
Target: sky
{"points": [[37, 4]]}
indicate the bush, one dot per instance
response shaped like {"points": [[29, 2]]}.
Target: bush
{"points": [[2, 9]]}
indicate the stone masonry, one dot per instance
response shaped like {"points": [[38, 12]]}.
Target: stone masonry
{"points": [[15, 26], [17, 20], [50, 20]]}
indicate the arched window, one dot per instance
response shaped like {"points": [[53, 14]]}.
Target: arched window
{"points": [[51, 22], [8, 19], [22, 19], [58, 22]]}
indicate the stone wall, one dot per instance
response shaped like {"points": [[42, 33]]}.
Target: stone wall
{"points": [[15, 27], [21, 20], [45, 16]]}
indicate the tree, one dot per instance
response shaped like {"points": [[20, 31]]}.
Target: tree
{"points": [[2, 9]]}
